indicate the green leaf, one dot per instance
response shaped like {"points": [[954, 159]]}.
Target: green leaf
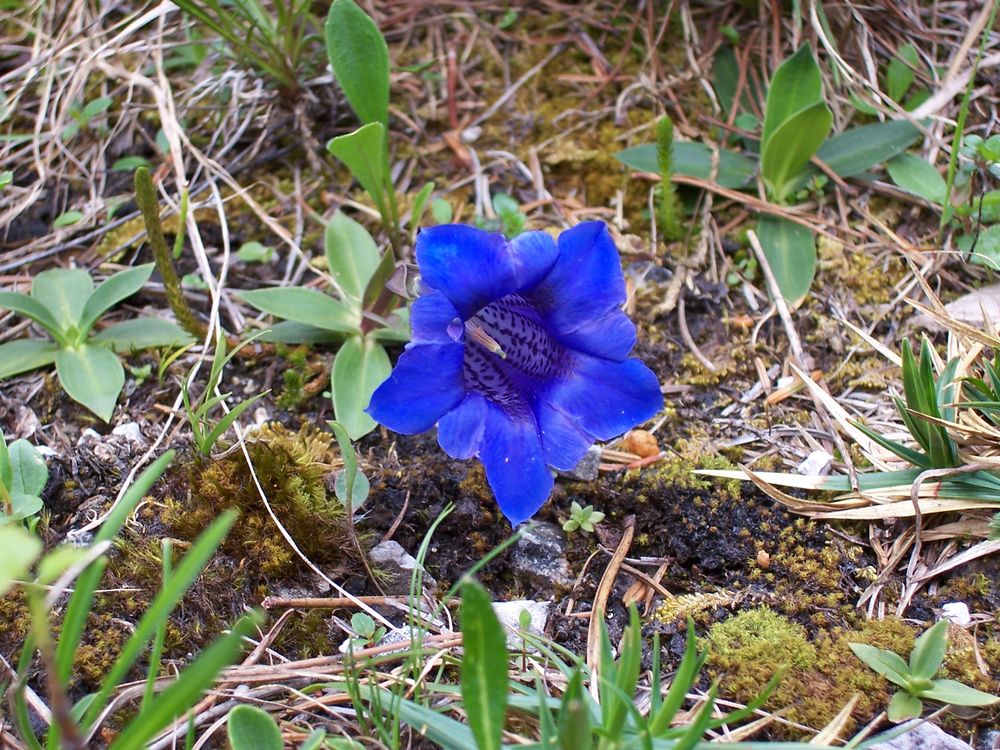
{"points": [[187, 689], [419, 204], [363, 152], [96, 107], [904, 706], [64, 291], [20, 549], [359, 494], [6, 178], [917, 176], [249, 728], [31, 308], [67, 218], [574, 716], [24, 506], [900, 74], [349, 476], [289, 332], [359, 368], [6, 467], [255, 252], [23, 355], [130, 163], [112, 291], [304, 306], [91, 375], [791, 252], [887, 663], [693, 160], [143, 333], [795, 86], [441, 209], [787, 153], [29, 474], [351, 255], [859, 149], [957, 694], [484, 667], [928, 650], [360, 60]]}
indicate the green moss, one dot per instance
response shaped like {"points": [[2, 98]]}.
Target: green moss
{"points": [[292, 469]]}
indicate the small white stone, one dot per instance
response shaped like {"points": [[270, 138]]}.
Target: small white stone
{"points": [[131, 431], [509, 614], [471, 135], [88, 434], [957, 612], [260, 416], [816, 464]]}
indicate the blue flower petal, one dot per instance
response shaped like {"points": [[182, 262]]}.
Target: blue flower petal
{"points": [[584, 285], [473, 268], [511, 452], [607, 398], [563, 442], [611, 336], [424, 386], [461, 430], [431, 317]]}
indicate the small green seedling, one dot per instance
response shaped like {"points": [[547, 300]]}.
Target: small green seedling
{"points": [[916, 678], [250, 728], [510, 220], [582, 518], [65, 303], [23, 476], [84, 115], [365, 631]]}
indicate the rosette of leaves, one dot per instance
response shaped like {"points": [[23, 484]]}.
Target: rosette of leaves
{"points": [[363, 317], [65, 303]]}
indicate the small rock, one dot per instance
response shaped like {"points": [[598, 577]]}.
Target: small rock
{"points": [[816, 464], [539, 557], [957, 612], [87, 435], [397, 635], [640, 442], [260, 417], [989, 740], [924, 736], [586, 470], [398, 565], [131, 431], [509, 614]]}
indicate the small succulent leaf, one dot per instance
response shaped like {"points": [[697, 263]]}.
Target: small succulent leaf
{"points": [[29, 474], [65, 292], [21, 548], [359, 368], [250, 728], [363, 624], [359, 57], [363, 152], [484, 669], [91, 375], [887, 663], [351, 255], [928, 650], [306, 306], [904, 706], [957, 694], [111, 291], [143, 333], [30, 308], [596, 517]]}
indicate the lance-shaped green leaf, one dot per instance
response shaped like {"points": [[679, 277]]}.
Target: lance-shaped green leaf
{"points": [[112, 291], [484, 667], [363, 152], [795, 86], [20, 549], [30, 308], [306, 306], [859, 149], [693, 160], [928, 651], [791, 252], [359, 57], [957, 694], [351, 255], [64, 291], [92, 376], [23, 355], [28, 472], [787, 153], [143, 333], [917, 176], [361, 365]]}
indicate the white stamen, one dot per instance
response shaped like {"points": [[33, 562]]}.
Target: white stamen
{"points": [[477, 334]]}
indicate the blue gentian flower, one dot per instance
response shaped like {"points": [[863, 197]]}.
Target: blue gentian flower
{"points": [[519, 354]]}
